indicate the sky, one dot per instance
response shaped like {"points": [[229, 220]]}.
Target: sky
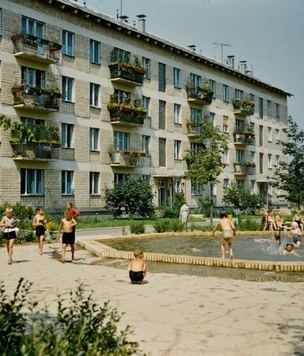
{"points": [[268, 34]]}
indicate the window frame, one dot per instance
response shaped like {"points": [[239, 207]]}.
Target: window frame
{"points": [[38, 179], [225, 93], [68, 43], [95, 51], [94, 139], [67, 182], [67, 133], [94, 95], [68, 89], [177, 78], [94, 179]]}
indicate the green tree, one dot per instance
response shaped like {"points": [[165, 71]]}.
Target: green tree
{"points": [[134, 195], [205, 161], [289, 174], [242, 199]]}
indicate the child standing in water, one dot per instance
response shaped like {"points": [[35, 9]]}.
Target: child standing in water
{"points": [[68, 236], [295, 233], [8, 224], [137, 268], [228, 231], [39, 222]]}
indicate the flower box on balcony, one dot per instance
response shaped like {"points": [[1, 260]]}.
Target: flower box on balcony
{"points": [[133, 153], [190, 124]]}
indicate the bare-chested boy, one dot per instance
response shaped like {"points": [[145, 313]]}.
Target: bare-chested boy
{"points": [[137, 268], [39, 222], [68, 236], [228, 231]]}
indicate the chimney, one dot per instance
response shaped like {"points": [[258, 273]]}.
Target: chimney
{"points": [[141, 23], [230, 61], [249, 70], [242, 67]]}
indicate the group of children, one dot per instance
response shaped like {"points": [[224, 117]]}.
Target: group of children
{"points": [[9, 227]]}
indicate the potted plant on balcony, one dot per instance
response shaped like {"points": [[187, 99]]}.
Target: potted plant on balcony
{"points": [[190, 87], [54, 46], [138, 68], [206, 90], [190, 123], [236, 103]]}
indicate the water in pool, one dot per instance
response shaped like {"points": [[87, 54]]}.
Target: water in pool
{"points": [[244, 247]]}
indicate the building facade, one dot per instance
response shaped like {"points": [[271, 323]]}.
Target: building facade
{"points": [[93, 100]]}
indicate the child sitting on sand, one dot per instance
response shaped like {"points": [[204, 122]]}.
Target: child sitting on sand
{"points": [[137, 268]]}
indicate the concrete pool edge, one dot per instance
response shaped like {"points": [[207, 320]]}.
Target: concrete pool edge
{"points": [[101, 250]]}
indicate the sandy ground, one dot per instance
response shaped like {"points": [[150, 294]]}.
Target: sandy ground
{"points": [[174, 315]]}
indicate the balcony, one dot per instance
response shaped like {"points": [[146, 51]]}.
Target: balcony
{"points": [[36, 48], [37, 99], [200, 94], [125, 113], [34, 152], [246, 168], [244, 138], [193, 129], [128, 158], [243, 107], [127, 74]]}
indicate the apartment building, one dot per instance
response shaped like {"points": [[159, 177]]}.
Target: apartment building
{"points": [[93, 100]]}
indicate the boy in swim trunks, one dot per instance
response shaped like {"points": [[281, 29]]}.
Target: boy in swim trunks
{"points": [[39, 222], [137, 268], [68, 236], [228, 231], [295, 233]]}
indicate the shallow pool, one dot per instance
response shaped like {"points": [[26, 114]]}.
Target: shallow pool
{"points": [[244, 247]]}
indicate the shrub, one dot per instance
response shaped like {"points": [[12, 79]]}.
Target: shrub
{"points": [[137, 227], [80, 327], [164, 225]]}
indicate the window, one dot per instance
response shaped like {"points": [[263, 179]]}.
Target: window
{"points": [[239, 156], [121, 140], [240, 185], [225, 183], [67, 182], [269, 108], [239, 125], [277, 160], [30, 121], [269, 134], [226, 156], [67, 135], [67, 88], [277, 135], [212, 117], [162, 151], [196, 146], [177, 78], [195, 79], [94, 136], [277, 110], [239, 94], [121, 177], [146, 145], [261, 163], [161, 77], [261, 108], [261, 134], [225, 92], [196, 188], [177, 117], [94, 94], [225, 123], [94, 52], [251, 186], [33, 77], [212, 85], [123, 96], [31, 181], [146, 104], [196, 115], [177, 149], [32, 27], [146, 66], [120, 55], [269, 161], [162, 115], [67, 43], [0, 22], [94, 183]]}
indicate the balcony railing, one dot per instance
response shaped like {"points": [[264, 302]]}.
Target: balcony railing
{"points": [[36, 48], [128, 158], [193, 129], [244, 168], [200, 94], [127, 73], [121, 115], [243, 107], [29, 151], [35, 98]]}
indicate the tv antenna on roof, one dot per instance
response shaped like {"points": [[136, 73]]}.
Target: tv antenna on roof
{"points": [[224, 44]]}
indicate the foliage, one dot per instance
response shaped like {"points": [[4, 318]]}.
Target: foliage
{"points": [[205, 204], [164, 225], [242, 199], [134, 196], [81, 327], [178, 201], [137, 227], [289, 175], [205, 164], [249, 225]]}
